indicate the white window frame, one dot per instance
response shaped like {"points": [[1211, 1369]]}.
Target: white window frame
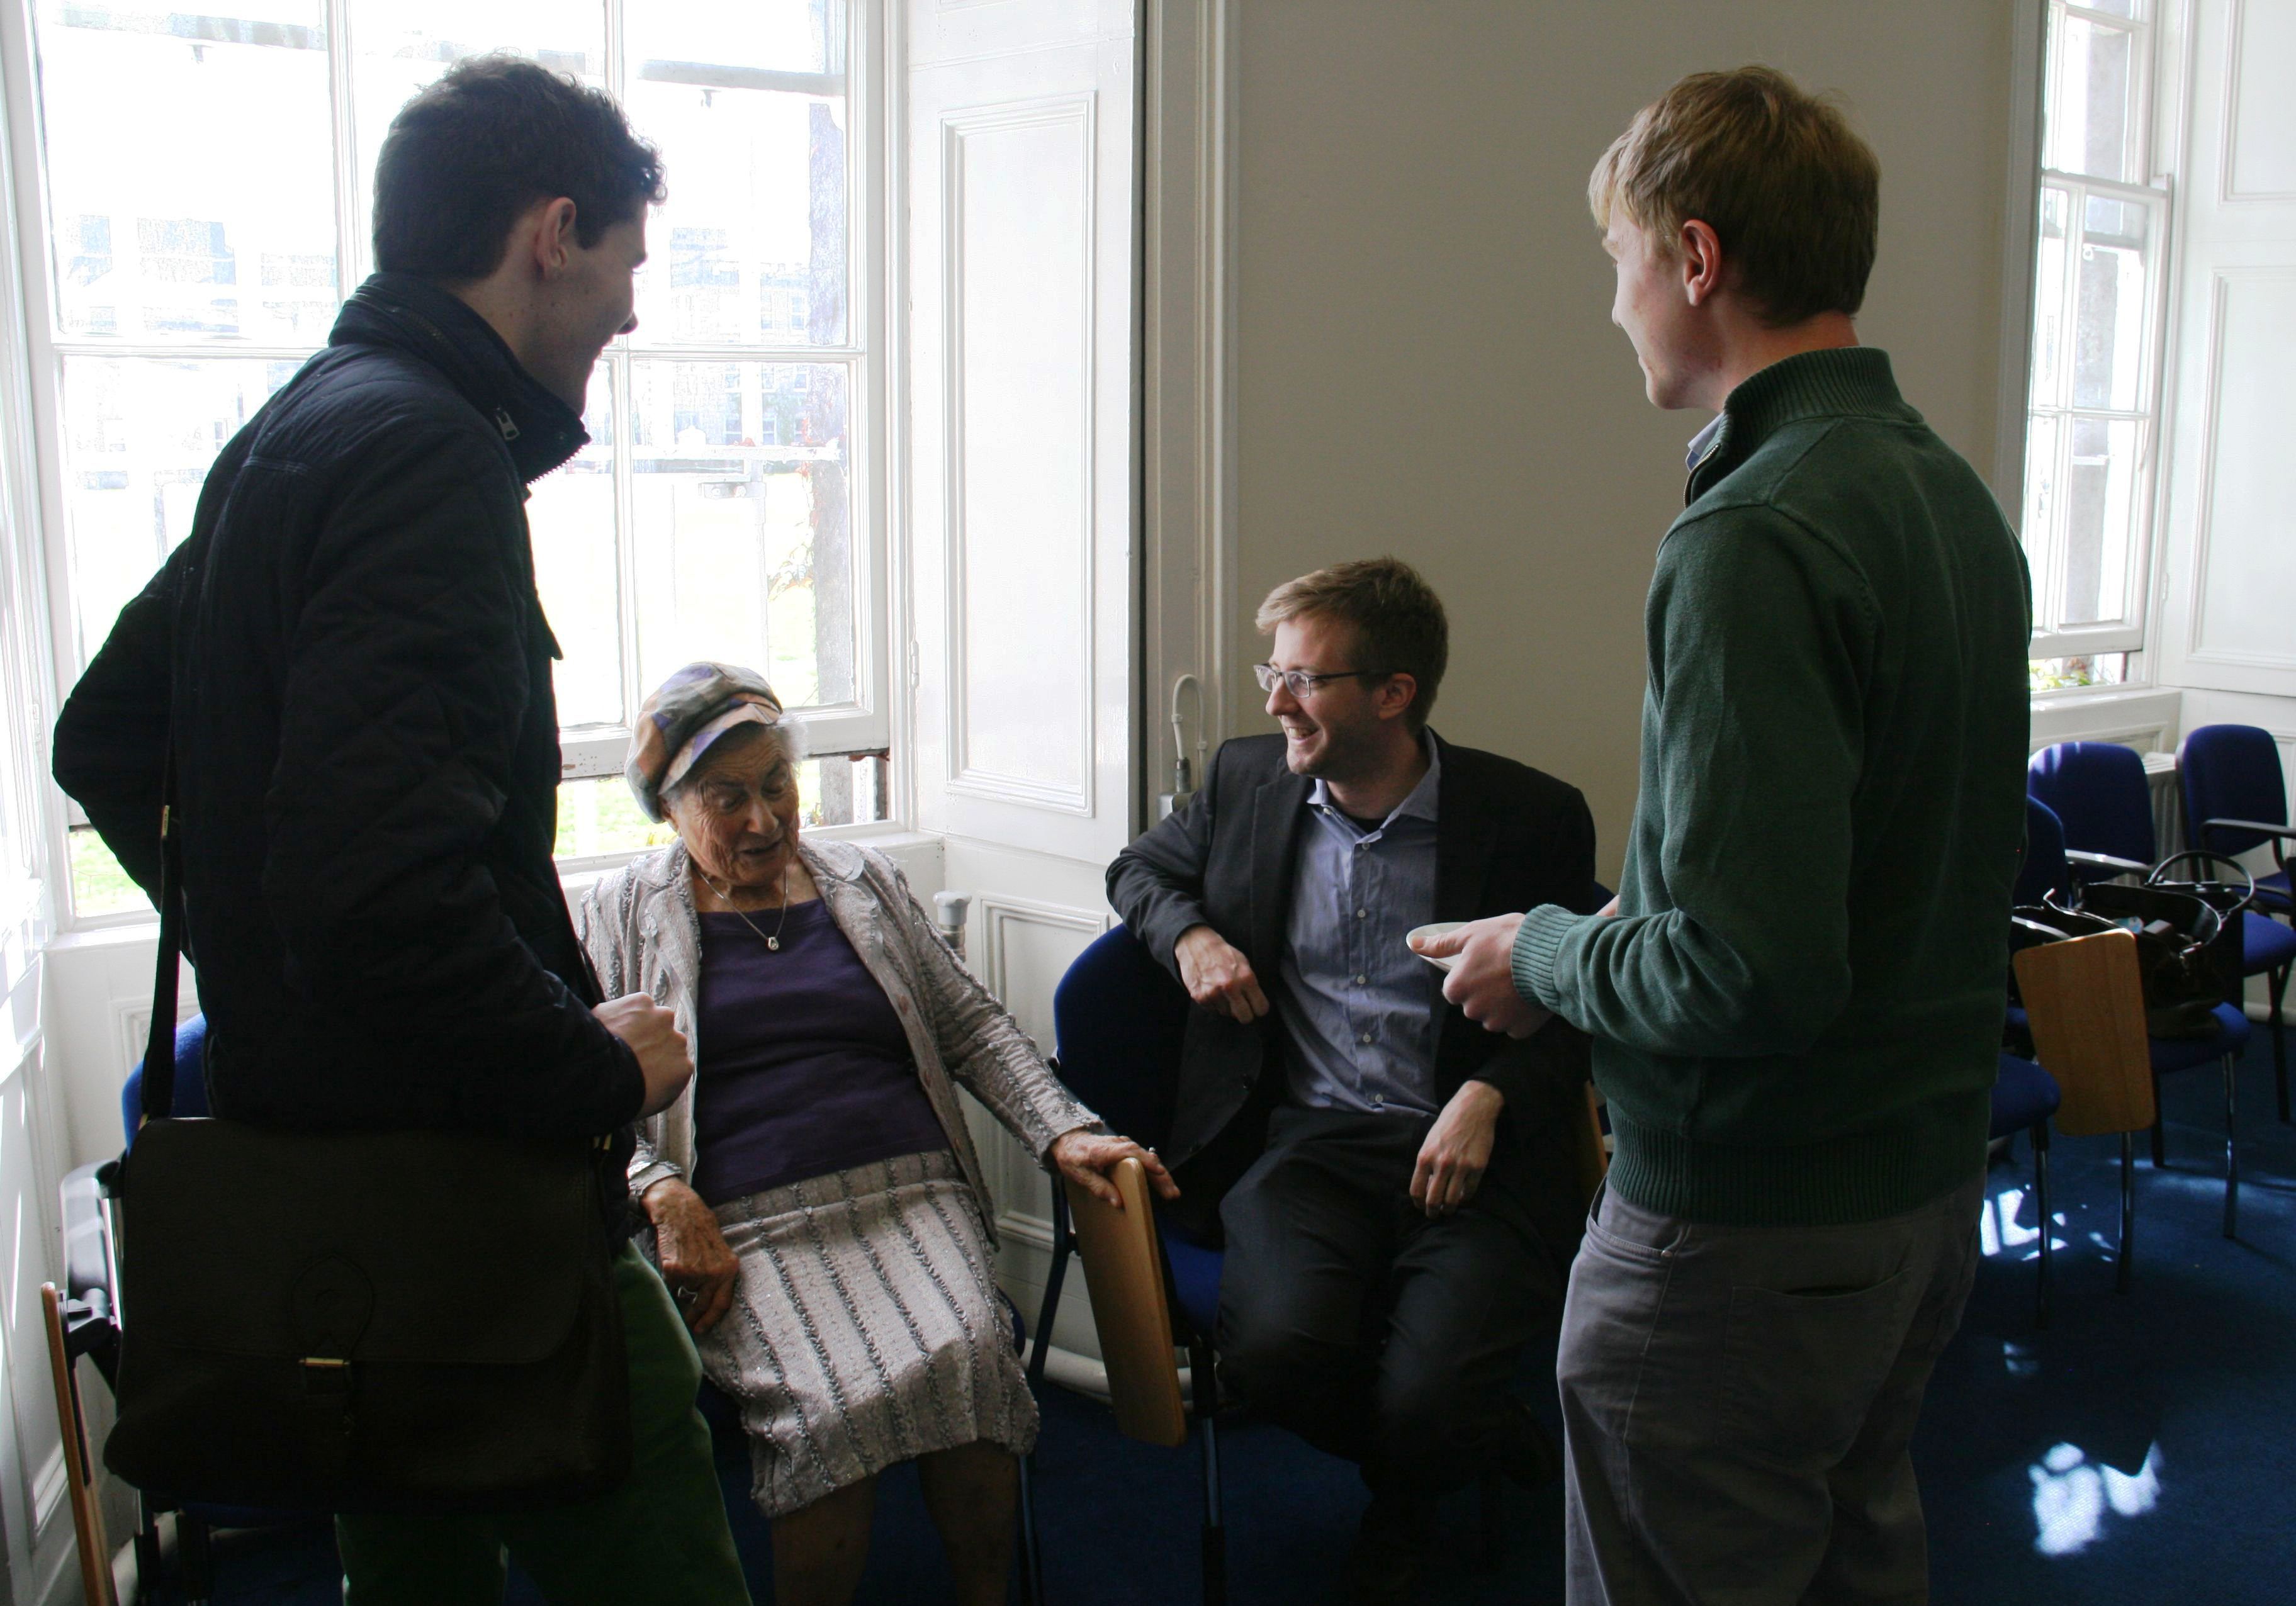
{"points": [[2129, 633], [864, 724]]}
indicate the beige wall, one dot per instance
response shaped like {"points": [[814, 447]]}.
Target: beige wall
{"points": [[1426, 364]]}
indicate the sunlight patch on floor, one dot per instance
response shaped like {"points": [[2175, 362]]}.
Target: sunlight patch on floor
{"points": [[2071, 1497]]}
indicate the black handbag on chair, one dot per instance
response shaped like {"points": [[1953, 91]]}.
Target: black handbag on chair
{"points": [[407, 1321], [2178, 936]]}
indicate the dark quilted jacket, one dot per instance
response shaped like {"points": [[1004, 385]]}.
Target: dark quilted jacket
{"points": [[366, 746]]}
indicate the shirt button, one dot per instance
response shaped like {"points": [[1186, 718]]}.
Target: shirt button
{"points": [[1378, 1102], [1365, 1038], [1362, 914], [1360, 980]]}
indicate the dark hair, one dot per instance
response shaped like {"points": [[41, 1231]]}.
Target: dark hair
{"points": [[493, 137], [1399, 621], [1788, 188]]}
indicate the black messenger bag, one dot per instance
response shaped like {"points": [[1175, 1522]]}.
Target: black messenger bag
{"points": [[420, 1322]]}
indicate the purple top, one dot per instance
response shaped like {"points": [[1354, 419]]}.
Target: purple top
{"points": [[804, 1067]]}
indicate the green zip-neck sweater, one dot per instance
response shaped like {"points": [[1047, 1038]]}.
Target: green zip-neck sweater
{"points": [[1797, 1009]]}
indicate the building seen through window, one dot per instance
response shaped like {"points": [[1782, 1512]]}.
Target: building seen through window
{"points": [[2094, 401], [713, 513]]}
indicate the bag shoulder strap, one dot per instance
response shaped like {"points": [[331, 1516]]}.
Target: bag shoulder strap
{"points": [[160, 1052], [159, 1093]]}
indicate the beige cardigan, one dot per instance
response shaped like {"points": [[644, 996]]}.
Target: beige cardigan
{"points": [[642, 931]]}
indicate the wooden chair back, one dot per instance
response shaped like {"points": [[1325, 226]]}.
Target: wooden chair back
{"points": [[1124, 1273], [2085, 999], [96, 1581]]}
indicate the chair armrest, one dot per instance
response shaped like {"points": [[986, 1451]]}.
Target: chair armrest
{"points": [[2105, 861], [2286, 832]]}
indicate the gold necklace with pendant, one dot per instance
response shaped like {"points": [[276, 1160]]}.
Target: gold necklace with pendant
{"points": [[774, 942]]}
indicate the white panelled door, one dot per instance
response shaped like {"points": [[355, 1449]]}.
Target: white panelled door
{"points": [[2230, 588], [1019, 379]]}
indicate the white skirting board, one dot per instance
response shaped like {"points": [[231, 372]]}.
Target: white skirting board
{"points": [[1082, 1374]]}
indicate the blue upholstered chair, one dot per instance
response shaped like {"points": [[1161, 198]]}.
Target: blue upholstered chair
{"points": [[2099, 791], [1120, 1022], [2235, 801], [2044, 869], [2024, 1098]]}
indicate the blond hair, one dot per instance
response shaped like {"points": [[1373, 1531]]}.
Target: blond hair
{"points": [[1786, 185], [1398, 621]]}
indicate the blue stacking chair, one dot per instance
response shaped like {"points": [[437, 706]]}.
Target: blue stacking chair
{"points": [[2235, 800], [2099, 791], [193, 1571], [2024, 1098], [2044, 869], [2024, 1095], [1120, 1022], [2100, 795]]}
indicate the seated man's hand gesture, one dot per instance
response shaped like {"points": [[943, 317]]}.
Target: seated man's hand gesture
{"points": [[1457, 1149], [1217, 977]]}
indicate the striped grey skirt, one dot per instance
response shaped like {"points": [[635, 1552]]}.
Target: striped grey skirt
{"points": [[865, 1328]]}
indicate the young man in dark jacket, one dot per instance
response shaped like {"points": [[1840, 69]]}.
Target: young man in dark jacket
{"points": [[1797, 1007], [1398, 1189], [367, 759]]}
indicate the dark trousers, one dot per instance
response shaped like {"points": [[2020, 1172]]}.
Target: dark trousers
{"points": [[1371, 1331], [661, 1539]]}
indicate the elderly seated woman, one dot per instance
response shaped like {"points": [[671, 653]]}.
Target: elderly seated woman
{"points": [[816, 1204]]}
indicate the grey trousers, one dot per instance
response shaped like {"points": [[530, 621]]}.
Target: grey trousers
{"points": [[1737, 1404]]}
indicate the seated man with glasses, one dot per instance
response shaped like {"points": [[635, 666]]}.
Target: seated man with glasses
{"points": [[1394, 1185]]}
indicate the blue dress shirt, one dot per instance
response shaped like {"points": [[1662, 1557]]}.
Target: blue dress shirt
{"points": [[1360, 1006]]}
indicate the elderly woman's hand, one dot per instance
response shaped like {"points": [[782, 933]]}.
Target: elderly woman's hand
{"points": [[1087, 1158], [695, 1262]]}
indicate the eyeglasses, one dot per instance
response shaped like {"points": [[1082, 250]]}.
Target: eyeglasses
{"points": [[1300, 682]]}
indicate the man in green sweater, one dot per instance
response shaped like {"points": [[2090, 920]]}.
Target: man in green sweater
{"points": [[1796, 998]]}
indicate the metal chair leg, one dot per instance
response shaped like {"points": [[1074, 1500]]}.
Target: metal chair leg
{"points": [[2160, 1136], [151, 1567], [1032, 1550], [2232, 1151], [2277, 985], [1204, 1388], [2041, 1199], [1032, 1561], [2127, 1209], [1063, 1245]]}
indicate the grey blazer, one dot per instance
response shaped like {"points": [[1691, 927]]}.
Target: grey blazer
{"points": [[642, 931]]}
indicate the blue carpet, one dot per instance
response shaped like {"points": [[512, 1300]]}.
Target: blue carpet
{"points": [[2137, 1450]]}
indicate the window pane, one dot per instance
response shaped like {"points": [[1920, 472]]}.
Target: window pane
{"points": [[748, 107], [191, 172], [99, 886], [139, 437], [571, 515], [2044, 434], [2091, 123], [2099, 519], [2090, 669], [402, 46], [741, 540], [600, 818], [2052, 259], [2109, 305]]}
